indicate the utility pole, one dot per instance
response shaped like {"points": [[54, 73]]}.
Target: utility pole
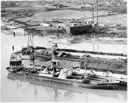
{"points": [[30, 37], [92, 13], [97, 9], [4, 5]]}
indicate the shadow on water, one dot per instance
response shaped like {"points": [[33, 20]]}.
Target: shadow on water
{"points": [[57, 91]]}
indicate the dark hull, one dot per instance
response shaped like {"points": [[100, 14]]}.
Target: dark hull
{"points": [[70, 83], [76, 30]]}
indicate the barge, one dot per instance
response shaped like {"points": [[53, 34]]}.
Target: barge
{"points": [[98, 63], [76, 76]]}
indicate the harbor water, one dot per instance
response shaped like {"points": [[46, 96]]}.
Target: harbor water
{"points": [[14, 89]]}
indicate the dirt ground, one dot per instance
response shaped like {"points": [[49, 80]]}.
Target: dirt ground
{"points": [[69, 14]]}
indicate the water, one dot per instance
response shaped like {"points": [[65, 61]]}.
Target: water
{"points": [[18, 90]]}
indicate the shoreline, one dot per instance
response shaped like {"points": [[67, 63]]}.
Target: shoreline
{"points": [[120, 41]]}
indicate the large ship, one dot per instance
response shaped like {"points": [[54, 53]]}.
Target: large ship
{"points": [[71, 71]]}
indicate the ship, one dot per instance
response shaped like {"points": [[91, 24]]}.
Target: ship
{"points": [[53, 70], [62, 67]]}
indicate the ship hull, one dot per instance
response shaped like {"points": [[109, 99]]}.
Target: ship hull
{"points": [[70, 83]]}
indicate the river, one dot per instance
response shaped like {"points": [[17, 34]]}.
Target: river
{"points": [[18, 90]]}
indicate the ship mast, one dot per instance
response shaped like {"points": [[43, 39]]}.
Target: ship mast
{"points": [[30, 43], [30, 40]]}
